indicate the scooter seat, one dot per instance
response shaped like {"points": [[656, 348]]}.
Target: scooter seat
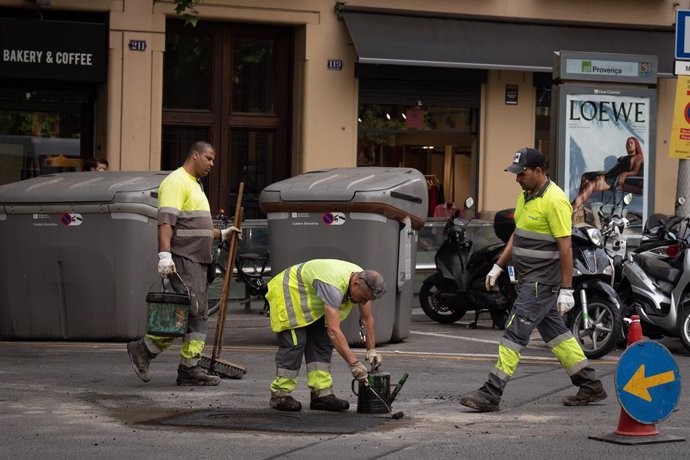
{"points": [[660, 269]]}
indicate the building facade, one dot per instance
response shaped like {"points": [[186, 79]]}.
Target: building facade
{"points": [[450, 88]]}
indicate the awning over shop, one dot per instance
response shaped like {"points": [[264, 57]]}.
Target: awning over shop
{"points": [[397, 39]]}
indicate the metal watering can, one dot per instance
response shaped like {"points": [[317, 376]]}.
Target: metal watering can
{"points": [[377, 397]]}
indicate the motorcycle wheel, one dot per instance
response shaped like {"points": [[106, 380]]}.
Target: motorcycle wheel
{"points": [[684, 322], [605, 331], [435, 308]]}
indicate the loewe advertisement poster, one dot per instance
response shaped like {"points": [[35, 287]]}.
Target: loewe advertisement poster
{"points": [[609, 142]]}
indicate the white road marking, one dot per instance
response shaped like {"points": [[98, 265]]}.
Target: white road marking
{"points": [[447, 336]]}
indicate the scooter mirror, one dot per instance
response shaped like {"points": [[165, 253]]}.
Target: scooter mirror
{"points": [[469, 202], [627, 199]]}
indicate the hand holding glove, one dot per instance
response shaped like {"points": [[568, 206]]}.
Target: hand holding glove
{"points": [[166, 265], [374, 358], [227, 232], [492, 277], [359, 372], [565, 301]]}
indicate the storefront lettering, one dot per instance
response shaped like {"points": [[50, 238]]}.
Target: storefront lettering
{"points": [[602, 110], [50, 57], [29, 56]]}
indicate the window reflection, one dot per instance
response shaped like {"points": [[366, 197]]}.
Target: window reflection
{"points": [[36, 143], [253, 76], [186, 72]]}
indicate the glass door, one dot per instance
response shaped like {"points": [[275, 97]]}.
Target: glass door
{"points": [[229, 84]]}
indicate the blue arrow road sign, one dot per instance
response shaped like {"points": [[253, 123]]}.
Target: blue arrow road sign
{"points": [[647, 382], [683, 34]]}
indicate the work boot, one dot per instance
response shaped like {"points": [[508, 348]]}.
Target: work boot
{"points": [[286, 403], [328, 402], [140, 358], [588, 393], [480, 401], [195, 376]]}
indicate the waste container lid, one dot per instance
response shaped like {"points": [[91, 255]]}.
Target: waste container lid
{"points": [[341, 184], [396, 193], [73, 187]]}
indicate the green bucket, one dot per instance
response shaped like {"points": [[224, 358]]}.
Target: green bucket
{"points": [[167, 313]]}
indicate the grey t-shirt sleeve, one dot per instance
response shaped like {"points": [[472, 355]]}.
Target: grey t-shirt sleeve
{"points": [[330, 294]]}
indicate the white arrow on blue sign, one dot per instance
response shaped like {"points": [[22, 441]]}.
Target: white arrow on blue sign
{"points": [[647, 382]]}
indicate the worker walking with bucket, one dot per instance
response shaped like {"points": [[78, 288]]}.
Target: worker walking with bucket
{"points": [[185, 236], [308, 302]]}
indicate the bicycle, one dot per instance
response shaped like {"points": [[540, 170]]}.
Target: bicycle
{"points": [[250, 271]]}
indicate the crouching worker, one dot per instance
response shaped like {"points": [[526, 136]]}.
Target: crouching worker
{"points": [[308, 302]]}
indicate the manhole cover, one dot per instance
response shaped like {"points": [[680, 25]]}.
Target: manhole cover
{"points": [[272, 420]]}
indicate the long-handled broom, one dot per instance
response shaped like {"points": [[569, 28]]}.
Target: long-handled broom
{"points": [[214, 364]]}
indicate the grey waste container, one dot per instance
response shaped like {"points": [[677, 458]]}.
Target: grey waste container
{"points": [[79, 253], [369, 216]]}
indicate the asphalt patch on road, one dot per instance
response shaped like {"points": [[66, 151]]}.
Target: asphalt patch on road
{"points": [[270, 420]]}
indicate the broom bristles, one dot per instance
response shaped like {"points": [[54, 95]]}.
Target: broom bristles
{"points": [[222, 368]]}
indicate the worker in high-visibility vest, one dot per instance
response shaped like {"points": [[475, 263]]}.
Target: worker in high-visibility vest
{"points": [[308, 302]]}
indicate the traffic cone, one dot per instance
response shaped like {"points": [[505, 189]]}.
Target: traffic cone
{"points": [[627, 426], [634, 330]]}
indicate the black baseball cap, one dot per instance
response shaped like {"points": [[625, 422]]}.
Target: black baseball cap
{"points": [[526, 158]]}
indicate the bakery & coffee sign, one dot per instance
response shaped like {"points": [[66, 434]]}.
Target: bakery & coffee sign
{"points": [[56, 50]]}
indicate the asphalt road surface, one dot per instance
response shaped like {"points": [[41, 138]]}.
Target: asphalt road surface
{"points": [[82, 400]]}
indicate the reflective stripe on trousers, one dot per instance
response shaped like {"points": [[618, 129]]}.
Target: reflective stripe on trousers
{"points": [[313, 343], [536, 307], [194, 277]]}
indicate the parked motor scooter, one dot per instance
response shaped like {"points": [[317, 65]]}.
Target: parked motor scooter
{"points": [[596, 320], [658, 290], [660, 235], [457, 286], [613, 226]]}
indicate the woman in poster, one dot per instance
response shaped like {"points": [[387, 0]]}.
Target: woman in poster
{"points": [[597, 181]]}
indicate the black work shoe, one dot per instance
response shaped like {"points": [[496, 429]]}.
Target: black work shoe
{"points": [[286, 403], [589, 393], [140, 358], [329, 402], [478, 400], [195, 376]]}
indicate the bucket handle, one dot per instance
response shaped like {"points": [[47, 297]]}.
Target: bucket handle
{"points": [[353, 387], [165, 282]]}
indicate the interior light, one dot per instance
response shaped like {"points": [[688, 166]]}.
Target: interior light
{"points": [[388, 116], [404, 116], [359, 120]]}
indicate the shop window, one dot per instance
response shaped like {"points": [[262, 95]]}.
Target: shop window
{"points": [[426, 138], [36, 143], [542, 125]]}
